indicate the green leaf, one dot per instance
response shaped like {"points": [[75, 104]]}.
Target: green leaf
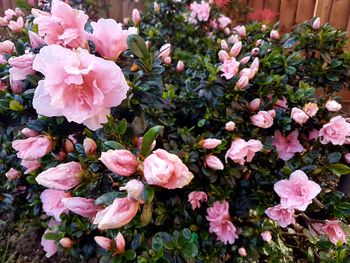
{"points": [[20, 47], [122, 125], [148, 139], [148, 193], [137, 46], [146, 215], [334, 157], [114, 145], [53, 236], [16, 106], [339, 169], [108, 198], [23, 4], [190, 250], [130, 254]]}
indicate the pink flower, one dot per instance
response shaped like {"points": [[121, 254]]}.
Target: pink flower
{"points": [[136, 17], [200, 11], [233, 39], [180, 66], [299, 116], [213, 162], [49, 246], [165, 51], [119, 243], [242, 252], [77, 85], [337, 131], [82, 206], [64, 176], [287, 146], [258, 42], [230, 126], [3, 22], [223, 45], [166, 170], [316, 24], [110, 38], [16, 26], [333, 106], [31, 165], [347, 157], [29, 132], [66, 242], [297, 192], [64, 26], [281, 103], [90, 146], [313, 134], [333, 230], [7, 47], [196, 197], [9, 13], [263, 119], [223, 55], [224, 21], [266, 236], [52, 203], [118, 214], [21, 67], [242, 83], [241, 31], [283, 216], [167, 60], [242, 151], [12, 174], [209, 143], [68, 146], [254, 104], [255, 51], [120, 162], [134, 188], [33, 147], [274, 34], [310, 109], [244, 60], [220, 224], [35, 40], [229, 68], [104, 242]]}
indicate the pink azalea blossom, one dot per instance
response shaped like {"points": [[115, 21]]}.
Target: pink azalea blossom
{"points": [[104, 242], [200, 11], [21, 67], [254, 104], [12, 174], [316, 24], [136, 17], [196, 197], [64, 26], [297, 192], [283, 216], [263, 119], [266, 236], [310, 109], [220, 224], [33, 147], [121, 162], [16, 26], [134, 188], [230, 126], [82, 206], [223, 55], [77, 85], [333, 106], [110, 38], [210, 143], [242, 151], [229, 68], [35, 40], [286, 147], [299, 116], [241, 31], [49, 246], [236, 49], [242, 252], [30, 165], [166, 170], [224, 21], [214, 162], [52, 203], [332, 229], [336, 131]]}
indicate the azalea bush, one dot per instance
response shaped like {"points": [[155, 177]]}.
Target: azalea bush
{"points": [[176, 137]]}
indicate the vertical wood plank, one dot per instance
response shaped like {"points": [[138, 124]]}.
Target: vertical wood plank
{"points": [[348, 33], [323, 11], [288, 11], [256, 4], [273, 5], [305, 10], [340, 13]]}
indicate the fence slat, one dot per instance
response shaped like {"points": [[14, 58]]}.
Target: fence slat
{"points": [[273, 5], [305, 10], [340, 13], [324, 10], [288, 11], [256, 4]]}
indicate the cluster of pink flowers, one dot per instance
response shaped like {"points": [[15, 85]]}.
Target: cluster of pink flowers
{"points": [[13, 19], [199, 12], [296, 193]]}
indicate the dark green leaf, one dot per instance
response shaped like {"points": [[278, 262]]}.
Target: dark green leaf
{"points": [[148, 139], [339, 169]]}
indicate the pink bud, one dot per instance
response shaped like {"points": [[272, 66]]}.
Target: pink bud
{"points": [[164, 51], [180, 66], [255, 51], [255, 65], [258, 42], [103, 242], [227, 31], [119, 244], [224, 45], [242, 252], [241, 31], [121, 162], [233, 39], [33, 147], [136, 17], [274, 34], [236, 49], [66, 242], [209, 143], [230, 126], [148, 43], [214, 162], [266, 236], [29, 132], [316, 24], [333, 106], [126, 20], [12, 174], [35, 40], [244, 60], [242, 82], [254, 104], [167, 60], [16, 26], [3, 21], [7, 47], [134, 189], [263, 28], [223, 55], [89, 146], [9, 13], [30, 165], [68, 146], [347, 157], [156, 7]]}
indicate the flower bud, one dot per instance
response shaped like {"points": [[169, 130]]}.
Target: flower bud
{"points": [[136, 17], [230, 126], [29, 132], [242, 252], [68, 146], [89, 147], [254, 104], [236, 49], [244, 60], [156, 7], [121, 162], [180, 66], [167, 60], [333, 106], [12, 174], [103, 242], [242, 83], [224, 45], [274, 34], [214, 162], [134, 189], [316, 24], [227, 31], [258, 42], [66, 242], [263, 28], [266, 236], [223, 55], [164, 51], [35, 40], [209, 143], [119, 244], [255, 51]]}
